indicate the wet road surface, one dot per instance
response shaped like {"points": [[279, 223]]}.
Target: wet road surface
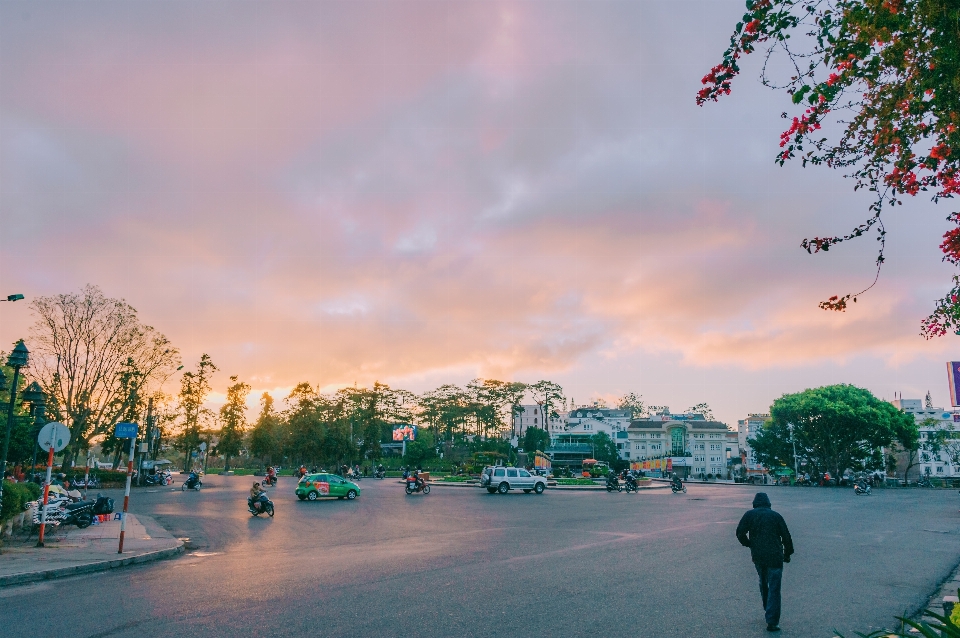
{"points": [[461, 562]]}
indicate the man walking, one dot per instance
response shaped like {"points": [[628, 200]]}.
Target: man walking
{"points": [[765, 533]]}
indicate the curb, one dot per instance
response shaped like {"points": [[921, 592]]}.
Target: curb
{"points": [[89, 568]]}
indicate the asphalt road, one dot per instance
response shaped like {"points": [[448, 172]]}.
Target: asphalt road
{"points": [[461, 562]]}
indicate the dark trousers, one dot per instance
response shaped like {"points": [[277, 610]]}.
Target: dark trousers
{"points": [[770, 592]]}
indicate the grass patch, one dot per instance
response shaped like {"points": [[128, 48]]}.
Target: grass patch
{"points": [[575, 481], [456, 479]]}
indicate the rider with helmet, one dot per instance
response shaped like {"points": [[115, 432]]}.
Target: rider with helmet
{"points": [[675, 482]]}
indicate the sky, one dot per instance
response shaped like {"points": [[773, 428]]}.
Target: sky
{"points": [[423, 192]]}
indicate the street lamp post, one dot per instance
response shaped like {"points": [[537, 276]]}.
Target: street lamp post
{"points": [[34, 395], [18, 359]]}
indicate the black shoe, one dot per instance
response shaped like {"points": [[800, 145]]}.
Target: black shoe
{"points": [[773, 627]]}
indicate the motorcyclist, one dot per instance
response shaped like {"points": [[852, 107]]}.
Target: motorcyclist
{"points": [[631, 480], [302, 471], [380, 470], [675, 482], [192, 479], [271, 475], [257, 495], [612, 479]]}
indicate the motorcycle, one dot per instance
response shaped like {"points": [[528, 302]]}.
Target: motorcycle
{"points": [[861, 488], [415, 485], [631, 485], [380, 474], [193, 482], [263, 506], [924, 482], [613, 484], [678, 488], [79, 514], [270, 480]]}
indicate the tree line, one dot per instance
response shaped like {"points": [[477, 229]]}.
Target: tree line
{"points": [[98, 365]]}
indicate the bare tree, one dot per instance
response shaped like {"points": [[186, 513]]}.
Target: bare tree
{"points": [[94, 358]]}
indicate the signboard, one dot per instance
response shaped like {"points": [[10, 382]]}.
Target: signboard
{"points": [[953, 374], [54, 435], [405, 433], [125, 431]]}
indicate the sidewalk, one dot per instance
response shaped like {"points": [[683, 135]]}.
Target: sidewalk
{"points": [[73, 551]]}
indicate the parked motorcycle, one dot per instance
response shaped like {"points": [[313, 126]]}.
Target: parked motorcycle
{"points": [[415, 485], [613, 483], [79, 514], [81, 482], [263, 506], [193, 482]]}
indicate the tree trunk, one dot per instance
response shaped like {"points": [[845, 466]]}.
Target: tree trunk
{"points": [[226, 463]]}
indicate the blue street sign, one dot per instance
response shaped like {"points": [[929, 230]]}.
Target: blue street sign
{"points": [[125, 431]]}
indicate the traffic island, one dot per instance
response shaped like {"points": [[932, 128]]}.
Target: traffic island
{"points": [[71, 551]]}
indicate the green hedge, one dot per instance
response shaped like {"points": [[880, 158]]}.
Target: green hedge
{"points": [[15, 498]]}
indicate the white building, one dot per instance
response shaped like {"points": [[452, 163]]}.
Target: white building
{"points": [[579, 424], [694, 445], [533, 416], [931, 420], [746, 430]]}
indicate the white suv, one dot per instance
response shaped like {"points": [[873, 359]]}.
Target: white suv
{"points": [[504, 479]]}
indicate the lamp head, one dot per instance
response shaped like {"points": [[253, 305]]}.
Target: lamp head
{"points": [[33, 394], [19, 357]]}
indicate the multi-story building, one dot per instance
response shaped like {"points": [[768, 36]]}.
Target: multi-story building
{"points": [[747, 429], [932, 421], [533, 416], [570, 439], [693, 445]]}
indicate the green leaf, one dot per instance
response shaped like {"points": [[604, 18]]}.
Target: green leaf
{"points": [[800, 93]]}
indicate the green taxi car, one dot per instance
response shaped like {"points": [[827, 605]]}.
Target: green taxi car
{"points": [[313, 486]]}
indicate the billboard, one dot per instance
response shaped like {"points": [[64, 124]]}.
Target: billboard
{"points": [[405, 433], [953, 374]]}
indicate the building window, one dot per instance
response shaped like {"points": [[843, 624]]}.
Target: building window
{"points": [[586, 426], [940, 470]]}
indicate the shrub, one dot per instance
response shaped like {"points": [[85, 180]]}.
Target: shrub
{"points": [[15, 498]]}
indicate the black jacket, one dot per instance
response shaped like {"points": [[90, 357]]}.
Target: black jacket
{"points": [[765, 533]]}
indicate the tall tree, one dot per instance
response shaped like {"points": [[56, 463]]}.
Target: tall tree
{"points": [[233, 421], [194, 389], [882, 74], [634, 403], [266, 435], [702, 408], [535, 439], [549, 396], [93, 357], [604, 448], [835, 428]]}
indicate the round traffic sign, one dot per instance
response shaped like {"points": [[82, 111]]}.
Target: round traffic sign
{"points": [[54, 435]]}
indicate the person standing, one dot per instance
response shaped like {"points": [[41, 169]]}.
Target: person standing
{"points": [[765, 532]]}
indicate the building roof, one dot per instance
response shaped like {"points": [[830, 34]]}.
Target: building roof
{"points": [[586, 413], [651, 424]]}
